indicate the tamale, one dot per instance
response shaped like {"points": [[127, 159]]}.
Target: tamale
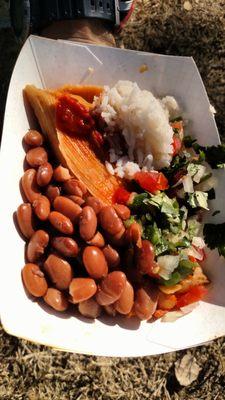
{"points": [[76, 153]]}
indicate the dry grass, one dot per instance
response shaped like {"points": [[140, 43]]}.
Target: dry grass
{"points": [[36, 372], [30, 372]]}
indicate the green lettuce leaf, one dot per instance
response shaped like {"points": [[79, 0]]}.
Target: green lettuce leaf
{"points": [[198, 199]]}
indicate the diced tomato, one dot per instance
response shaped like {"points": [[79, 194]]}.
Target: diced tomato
{"points": [[177, 125], [151, 181], [192, 259], [196, 293], [73, 117], [121, 196], [159, 313], [167, 301], [177, 144]]}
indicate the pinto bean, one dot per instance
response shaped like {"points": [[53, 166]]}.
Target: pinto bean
{"points": [[59, 271], [89, 308], [65, 245], [61, 174], [56, 299], [61, 223], [122, 211], [52, 192], [44, 174], [111, 288], [145, 259], [97, 240], [87, 223], [25, 219], [145, 302], [95, 203], [75, 187], [110, 310], [82, 289], [29, 185], [36, 246], [34, 280], [118, 239], [67, 207], [110, 221], [41, 207], [76, 199], [129, 258], [33, 138], [133, 234], [83, 187], [36, 156], [112, 256], [125, 303], [95, 262], [132, 273]]}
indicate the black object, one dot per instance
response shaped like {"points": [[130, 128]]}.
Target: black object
{"points": [[29, 16]]}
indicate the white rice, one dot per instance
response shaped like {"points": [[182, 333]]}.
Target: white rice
{"points": [[144, 122]]}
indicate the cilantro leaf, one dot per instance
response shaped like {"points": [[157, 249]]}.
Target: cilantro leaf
{"points": [[155, 236], [193, 227], [211, 194], [153, 233], [176, 119], [215, 213], [214, 155], [189, 141], [214, 236], [178, 163], [138, 203]]}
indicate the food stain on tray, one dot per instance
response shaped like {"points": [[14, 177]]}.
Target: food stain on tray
{"points": [[143, 68]]}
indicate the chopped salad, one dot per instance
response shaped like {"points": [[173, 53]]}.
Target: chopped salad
{"points": [[169, 207]]}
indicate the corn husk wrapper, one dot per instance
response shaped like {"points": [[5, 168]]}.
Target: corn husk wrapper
{"points": [[75, 153]]}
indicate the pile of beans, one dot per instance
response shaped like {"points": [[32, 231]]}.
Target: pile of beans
{"points": [[78, 251]]}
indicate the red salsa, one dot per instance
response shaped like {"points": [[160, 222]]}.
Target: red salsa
{"points": [[73, 117], [121, 196]]}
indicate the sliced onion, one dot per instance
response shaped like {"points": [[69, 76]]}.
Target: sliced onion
{"points": [[174, 315], [167, 265], [198, 176], [192, 251], [188, 184], [178, 183], [198, 241]]}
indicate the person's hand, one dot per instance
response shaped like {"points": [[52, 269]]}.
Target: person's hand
{"points": [[91, 31]]}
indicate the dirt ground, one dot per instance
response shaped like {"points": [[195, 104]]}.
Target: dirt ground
{"points": [[31, 372]]}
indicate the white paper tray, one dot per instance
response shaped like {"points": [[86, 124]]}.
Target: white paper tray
{"points": [[48, 63]]}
